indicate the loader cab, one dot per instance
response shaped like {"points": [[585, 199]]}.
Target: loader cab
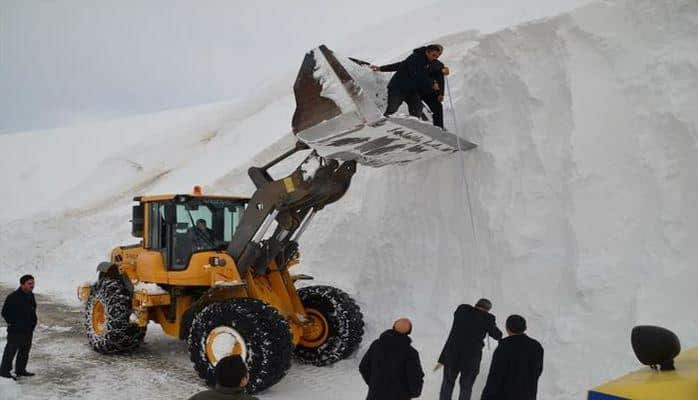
{"points": [[168, 224]]}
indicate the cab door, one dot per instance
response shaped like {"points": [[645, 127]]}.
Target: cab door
{"points": [[151, 264]]}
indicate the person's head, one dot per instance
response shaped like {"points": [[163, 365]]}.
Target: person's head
{"points": [[231, 371], [403, 326], [434, 51], [201, 223], [516, 325], [484, 305], [26, 283]]}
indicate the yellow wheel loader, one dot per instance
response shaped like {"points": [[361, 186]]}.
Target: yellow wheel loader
{"points": [[216, 270]]}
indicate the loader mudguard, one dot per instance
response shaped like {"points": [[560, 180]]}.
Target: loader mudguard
{"points": [[108, 269], [207, 298]]}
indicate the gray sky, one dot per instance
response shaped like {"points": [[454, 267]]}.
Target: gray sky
{"points": [[64, 62]]}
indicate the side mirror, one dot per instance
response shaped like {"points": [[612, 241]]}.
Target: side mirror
{"points": [[170, 214], [137, 220]]}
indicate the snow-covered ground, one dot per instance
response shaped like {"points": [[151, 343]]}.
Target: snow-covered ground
{"points": [[576, 210]]}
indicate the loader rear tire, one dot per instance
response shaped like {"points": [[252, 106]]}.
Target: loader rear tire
{"points": [[345, 325], [107, 318], [255, 331]]}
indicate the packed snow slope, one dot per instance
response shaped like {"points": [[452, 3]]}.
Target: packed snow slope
{"points": [[577, 210]]}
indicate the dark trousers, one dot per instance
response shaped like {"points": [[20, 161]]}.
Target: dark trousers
{"points": [[467, 379], [437, 109], [18, 344], [395, 99]]}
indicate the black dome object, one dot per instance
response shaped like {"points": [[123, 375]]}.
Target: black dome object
{"points": [[654, 345]]}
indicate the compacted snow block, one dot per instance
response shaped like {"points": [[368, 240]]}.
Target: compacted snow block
{"points": [[339, 106]]}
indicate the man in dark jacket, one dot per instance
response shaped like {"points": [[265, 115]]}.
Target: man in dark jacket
{"points": [[231, 378], [19, 311], [391, 366], [516, 365], [411, 80], [463, 349], [437, 72], [202, 237]]}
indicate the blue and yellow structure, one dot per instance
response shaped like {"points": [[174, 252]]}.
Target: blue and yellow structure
{"points": [[650, 384]]}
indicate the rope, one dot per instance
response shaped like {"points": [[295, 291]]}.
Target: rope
{"points": [[463, 172]]}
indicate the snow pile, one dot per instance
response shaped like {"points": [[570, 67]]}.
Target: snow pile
{"points": [[582, 194], [575, 211], [64, 211], [149, 288]]}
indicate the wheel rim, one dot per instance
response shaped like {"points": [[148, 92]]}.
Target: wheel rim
{"points": [[316, 330], [224, 341], [98, 317]]}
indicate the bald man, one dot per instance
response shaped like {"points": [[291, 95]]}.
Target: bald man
{"points": [[391, 366]]}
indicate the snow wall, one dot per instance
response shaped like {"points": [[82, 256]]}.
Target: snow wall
{"points": [[577, 211]]}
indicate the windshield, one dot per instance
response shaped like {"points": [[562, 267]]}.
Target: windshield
{"points": [[205, 224]]}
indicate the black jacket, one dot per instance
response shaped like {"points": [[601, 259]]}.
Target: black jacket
{"points": [[436, 75], [411, 74], [516, 365], [465, 342], [19, 311], [391, 368]]}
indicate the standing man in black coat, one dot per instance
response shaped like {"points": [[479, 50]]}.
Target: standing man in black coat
{"points": [[462, 352], [437, 72], [391, 366], [19, 311], [412, 79], [516, 365]]}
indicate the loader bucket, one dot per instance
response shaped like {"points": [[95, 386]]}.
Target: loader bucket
{"points": [[339, 103]]}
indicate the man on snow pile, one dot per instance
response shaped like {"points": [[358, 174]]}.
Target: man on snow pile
{"points": [[19, 311], [516, 365], [437, 71], [413, 79], [231, 378], [391, 366], [462, 352]]}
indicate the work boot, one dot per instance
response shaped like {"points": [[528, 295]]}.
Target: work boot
{"points": [[8, 375], [25, 373]]}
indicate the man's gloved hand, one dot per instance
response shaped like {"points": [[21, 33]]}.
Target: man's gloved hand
{"points": [[445, 71]]}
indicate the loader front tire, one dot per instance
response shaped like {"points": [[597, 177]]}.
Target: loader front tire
{"points": [[246, 327], [345, 325], [107, 318]]}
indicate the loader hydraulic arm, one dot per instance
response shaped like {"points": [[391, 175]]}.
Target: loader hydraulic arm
{"points": [[291, 202]]}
